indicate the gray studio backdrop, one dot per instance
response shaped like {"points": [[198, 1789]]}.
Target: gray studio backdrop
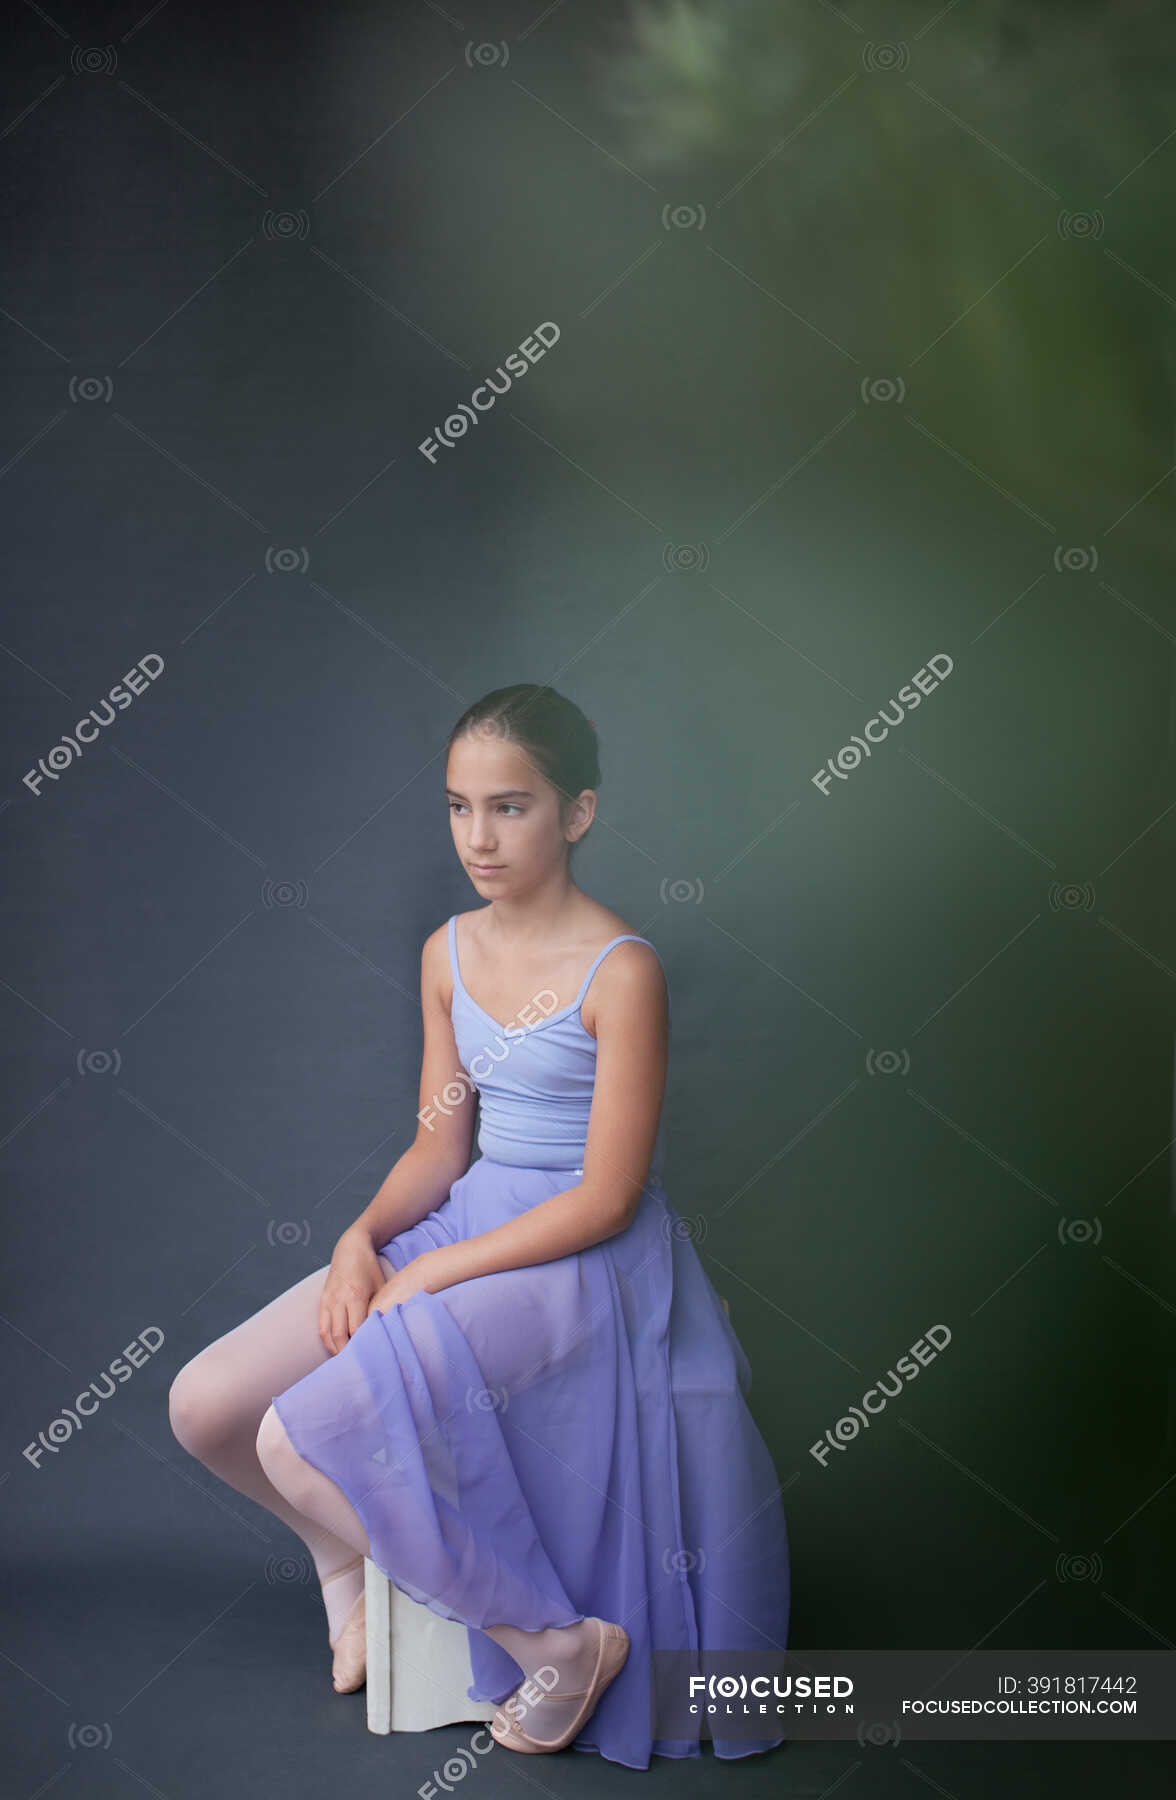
{"points": [[846, 374]]}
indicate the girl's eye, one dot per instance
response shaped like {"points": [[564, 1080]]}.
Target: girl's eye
{"points": [[506, 806]]}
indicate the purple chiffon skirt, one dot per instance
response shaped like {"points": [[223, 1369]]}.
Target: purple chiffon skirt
{"points": [[569, 1439]]}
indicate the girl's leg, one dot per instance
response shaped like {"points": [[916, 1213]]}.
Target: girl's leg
{"points": [[569, 1650], [216, 1405], [311, 1495]]}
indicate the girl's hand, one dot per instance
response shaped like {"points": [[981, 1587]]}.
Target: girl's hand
{"points": [[429, 1272], [352, 1279]]}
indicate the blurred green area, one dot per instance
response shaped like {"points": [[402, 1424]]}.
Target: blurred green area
{"points": [[991, 177]]}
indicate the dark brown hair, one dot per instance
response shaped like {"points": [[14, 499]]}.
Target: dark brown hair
{"points": [[548, 728]]}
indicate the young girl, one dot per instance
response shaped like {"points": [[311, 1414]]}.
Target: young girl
{"points": [[514, 1387]]}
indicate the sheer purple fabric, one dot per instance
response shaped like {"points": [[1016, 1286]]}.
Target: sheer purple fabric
{"points": [[568, 1439]]}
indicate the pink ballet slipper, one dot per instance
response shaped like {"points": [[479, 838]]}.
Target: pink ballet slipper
{"points": [[350, 1644], [611, 1651]]}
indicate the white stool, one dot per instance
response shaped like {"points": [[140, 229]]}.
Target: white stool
{"points": [[418, 1664]]}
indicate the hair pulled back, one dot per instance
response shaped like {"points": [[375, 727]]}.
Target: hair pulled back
{"points": [[548, 728]]}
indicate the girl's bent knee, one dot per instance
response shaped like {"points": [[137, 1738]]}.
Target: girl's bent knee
{"points": [[196, 1421], [274, 1449]]}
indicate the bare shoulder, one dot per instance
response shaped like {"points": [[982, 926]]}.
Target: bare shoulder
{"points": [[469, 926], [436, 945], [625, 962], [632, 966], [602, 922], [436, 975], [630, 982]]}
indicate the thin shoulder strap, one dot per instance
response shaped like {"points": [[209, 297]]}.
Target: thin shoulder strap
{"points": [[625, 938]]}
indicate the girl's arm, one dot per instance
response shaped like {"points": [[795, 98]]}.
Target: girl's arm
{"points": [[632, 1039], [440, 1152]]}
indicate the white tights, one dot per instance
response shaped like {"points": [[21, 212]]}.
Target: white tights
{"points": [[220, 1412]]}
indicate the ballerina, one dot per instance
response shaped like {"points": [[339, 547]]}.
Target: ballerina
{"points": [[497, 1402]]}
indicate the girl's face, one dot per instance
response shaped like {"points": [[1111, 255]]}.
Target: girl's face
{"points": [[504, 815]]}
